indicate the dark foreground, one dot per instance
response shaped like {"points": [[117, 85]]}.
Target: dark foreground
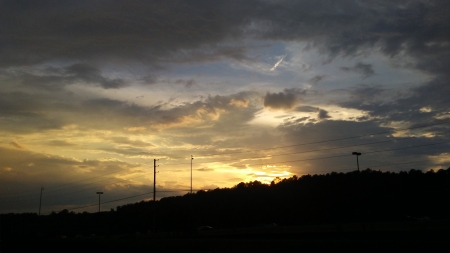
{"points": [[330, 238], [425, 242]]}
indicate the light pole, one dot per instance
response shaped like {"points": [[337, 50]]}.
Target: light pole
{"points": [[192, 158], [99, 193], [40, 201], [357, 161]]}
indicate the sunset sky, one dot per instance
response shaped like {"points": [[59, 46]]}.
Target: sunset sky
{"points": [[92, 91]]}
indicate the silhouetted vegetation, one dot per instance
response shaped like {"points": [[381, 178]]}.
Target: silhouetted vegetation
{"points": [[333, 198]]}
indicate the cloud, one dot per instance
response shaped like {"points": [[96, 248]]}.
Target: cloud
{"points": [[148, 32], [127, 141], [135, 129], [280, 101], [60, 143], [389, 106], [27, 113], [90, 74], [187, 83], [306, 108], [57, 78], [365, 70], [239, 102], [155, 33], [340, 146], [48, 169], [17, 145], [149, 79], [323, 114], [205, 169], [315, 80]]}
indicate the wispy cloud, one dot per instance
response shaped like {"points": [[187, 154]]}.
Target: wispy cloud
{"points": [[17, 145]]}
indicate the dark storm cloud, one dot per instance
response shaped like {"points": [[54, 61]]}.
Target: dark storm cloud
{"points": [[408, 108], [365, 70], [366, 93], [25, 113], [281, 100], [143, 31], [58, 78], [329, 129], [122, 110], [89, 74], [216, 110], [323, 114], [154, 30], [417, 28], [19, 104]]}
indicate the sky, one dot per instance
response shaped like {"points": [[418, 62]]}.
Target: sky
{"points": [[91, 92]]}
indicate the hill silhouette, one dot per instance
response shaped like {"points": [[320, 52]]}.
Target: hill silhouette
{"points": [[332, 198]]}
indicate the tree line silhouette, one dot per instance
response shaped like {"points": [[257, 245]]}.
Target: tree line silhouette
{"points": [[332, 198]]}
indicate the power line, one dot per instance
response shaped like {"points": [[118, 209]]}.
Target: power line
{"points": [[324, 141], [316, 150], [65, 193], [94, 181], [320, 158], [307, 151], [116, 200], [295, 145], [143, 194], [318, 142], [308, 159], [147, 193], [59, 185], [390, 164], [424, 145]]}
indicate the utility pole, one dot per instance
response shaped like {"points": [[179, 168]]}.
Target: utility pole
{"points": [[154, 194], [360, 213], [357, 161], [154, 179], [40, 201], [99, 193], [192, 158]]}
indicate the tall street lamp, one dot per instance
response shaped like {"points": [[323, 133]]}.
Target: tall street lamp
{"points": [[357, 154], [99, 193]]}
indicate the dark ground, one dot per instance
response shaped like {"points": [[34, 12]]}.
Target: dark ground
{"points": [[431, 236]]}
